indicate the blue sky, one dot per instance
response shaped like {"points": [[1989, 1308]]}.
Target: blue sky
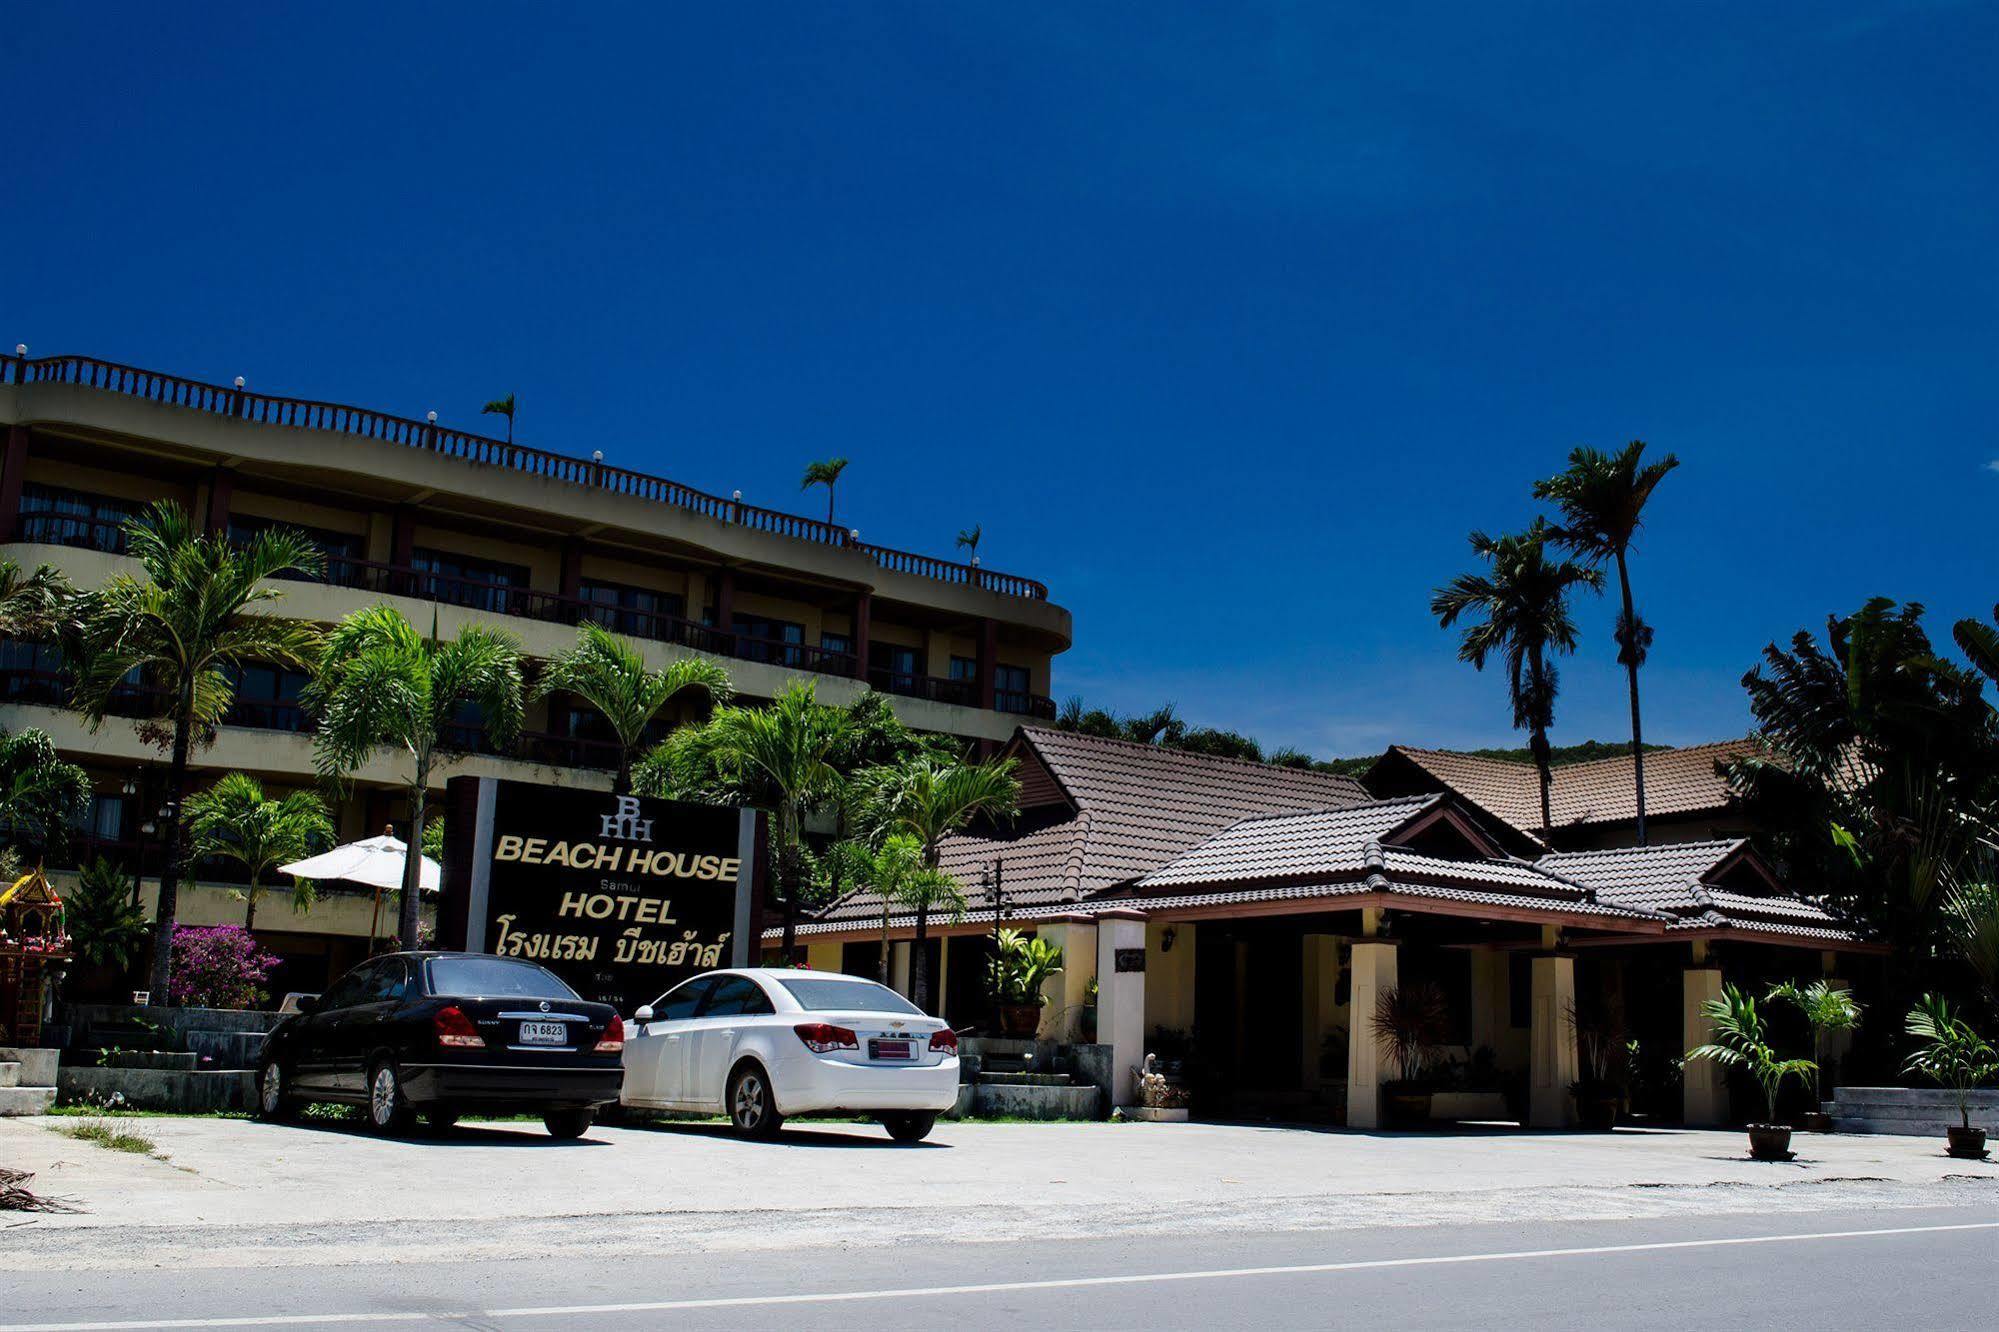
{"points": [[1227, 322]]}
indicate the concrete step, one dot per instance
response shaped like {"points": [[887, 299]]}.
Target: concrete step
{"points": [[26, 1100], [10, 1074], [227, 1049], [1032, 1101], [38, 1066], [1026, 1080]]}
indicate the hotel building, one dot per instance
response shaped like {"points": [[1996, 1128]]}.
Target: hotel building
{"points": [[441, 522]]}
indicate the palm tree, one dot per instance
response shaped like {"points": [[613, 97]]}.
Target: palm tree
{"points": [[1827, 1009], [611, 675], [234, 820], [1524, 604], [502, 407], [381, 684], [187, 625], [1742, 1040], [779, 758], [42, 798], [1601, 498], [824, 473], [928, 798], [32, 605], [968, 539]]}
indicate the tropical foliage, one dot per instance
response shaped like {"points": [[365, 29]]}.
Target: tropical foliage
{"points": [[824, 473], [1601, 500], [1828, 1009], [1410, 1021], [610, 674], [1950, 1053], [102, 916], [383, 685], [185, 625], [1740, 1034], [234, 820], [33, 605], [1020, 965], [42, 796], [1518, 611]]}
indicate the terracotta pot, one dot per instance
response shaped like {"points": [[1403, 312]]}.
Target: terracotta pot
{"points": [[1770, 1142], [1967, 1144], [1020, 1021], [1597, 1112], [1404, 1108]]}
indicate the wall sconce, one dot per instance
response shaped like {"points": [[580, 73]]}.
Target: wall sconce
{"points": [[1166, 938]]}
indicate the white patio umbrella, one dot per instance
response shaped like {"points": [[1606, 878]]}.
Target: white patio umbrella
{"points": [[375, 861]]}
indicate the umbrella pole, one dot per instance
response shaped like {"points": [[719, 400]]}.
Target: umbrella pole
{"points": [[374, 921]]}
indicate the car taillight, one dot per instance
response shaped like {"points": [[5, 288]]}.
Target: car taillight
{"points": [[944, 1040], [455, 1030], [613, 1039], [822, 1037]]}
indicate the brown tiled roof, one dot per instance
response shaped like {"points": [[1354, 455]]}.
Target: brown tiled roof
{"points": [[1281, 846], [1131, 808], [1678, 878], [1677, 781], [1573, 905]]}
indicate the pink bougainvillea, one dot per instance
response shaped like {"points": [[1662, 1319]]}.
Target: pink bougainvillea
{"points": [[218, 966]]}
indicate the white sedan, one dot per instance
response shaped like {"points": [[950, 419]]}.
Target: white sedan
{"points": [[760, 1044]]}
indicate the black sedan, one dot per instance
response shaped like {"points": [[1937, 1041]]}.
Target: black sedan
{"points": [[444, 1034]]}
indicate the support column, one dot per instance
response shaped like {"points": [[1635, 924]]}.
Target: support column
{"points": [[898, 967], [221, 490], [864, 614], [823, 954], [725, 605], [1121, 1000], [1703, 1089], [988, 657], [1552, 1043], [1373, 970], [1065, 991], [1489, 996], [572, 568], [1321, 982], [1838, 1044], [13, 470]]}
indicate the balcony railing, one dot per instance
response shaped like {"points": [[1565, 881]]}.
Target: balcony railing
{"points": [[64, 529], [151, 385]]}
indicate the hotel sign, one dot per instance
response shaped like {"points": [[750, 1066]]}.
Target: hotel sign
{"points": [[623, 897]]}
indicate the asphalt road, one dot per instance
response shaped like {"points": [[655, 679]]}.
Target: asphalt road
{"points": [[1909, 1268]]}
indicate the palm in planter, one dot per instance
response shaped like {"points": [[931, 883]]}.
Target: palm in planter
{"points": [[1601, 1055], [1954, 1057], [1410, 1022], [1741, 1039], [1829, 1010], [1021, 964]]}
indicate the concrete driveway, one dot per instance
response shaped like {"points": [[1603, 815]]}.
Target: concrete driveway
{"points": [[231, 1188]]}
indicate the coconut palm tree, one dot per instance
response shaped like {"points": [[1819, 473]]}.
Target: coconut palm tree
{"points": [[779, 758], [1522, 602], [611, 675], [32, 605], [824, 473], [234, 820], [1601, 498], [928, 798], [187, 624], [383, 685]]}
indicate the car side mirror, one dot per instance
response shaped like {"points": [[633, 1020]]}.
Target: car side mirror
{"points": [[308, 1003], [644, 1014]]}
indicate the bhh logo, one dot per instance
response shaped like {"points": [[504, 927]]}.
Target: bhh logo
{"points": [[626, 825]]}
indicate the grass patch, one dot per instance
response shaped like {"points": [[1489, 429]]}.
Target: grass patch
{"points": [[120, 1112], [110, 1138]]}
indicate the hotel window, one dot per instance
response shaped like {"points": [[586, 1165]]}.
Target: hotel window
{"points": [[630, 610], [965, 669], [342, 549], [57, 516], [267, 697], [462, 580], [840, 643], [895, 660], [1010, 689], [32, 672], [762, 639]]}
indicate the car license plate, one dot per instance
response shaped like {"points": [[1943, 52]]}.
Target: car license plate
{"points": [[888, 1049], [544, 1033]]}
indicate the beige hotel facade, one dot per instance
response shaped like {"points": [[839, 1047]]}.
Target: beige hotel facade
{"points": [[469, 529]]}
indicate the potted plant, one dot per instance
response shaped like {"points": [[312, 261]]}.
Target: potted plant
{"points": [[1409, 1024], [1019, 966], [1600, 1059], [1954, 1057], [1742, 1040], [1086, 1021], [1829, 1010]]}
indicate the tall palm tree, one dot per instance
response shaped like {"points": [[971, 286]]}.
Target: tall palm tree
{"points": [[1601, 498], [1523, 604], [611, 675], [383, 685], [234, 820], [968, 539], [186, 623], [32, 605], [781, 758], [929, 798], [824, 473]]}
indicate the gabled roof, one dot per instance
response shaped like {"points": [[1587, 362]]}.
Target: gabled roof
{"points": [[1701, 885], [1677, 781], [1112, 810], [1282, 846]]}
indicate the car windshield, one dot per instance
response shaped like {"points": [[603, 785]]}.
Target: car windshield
{"points": [[819, 995], [499, 977]]}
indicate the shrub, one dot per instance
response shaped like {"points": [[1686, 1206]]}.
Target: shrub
{"points": [[218, 966]]}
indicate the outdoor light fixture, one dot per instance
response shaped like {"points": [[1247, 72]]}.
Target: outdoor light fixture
{"points": [[1167, 935], [431, 416], [854, 532], [20, 349], [239, 381], [596, 455], [737, 496]]}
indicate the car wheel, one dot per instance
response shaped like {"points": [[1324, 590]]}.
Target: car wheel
{"points": [[389, 1111], [752, 1107], [569, 1123], [914, 1126], [442, 1119], [274, 1103]]}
